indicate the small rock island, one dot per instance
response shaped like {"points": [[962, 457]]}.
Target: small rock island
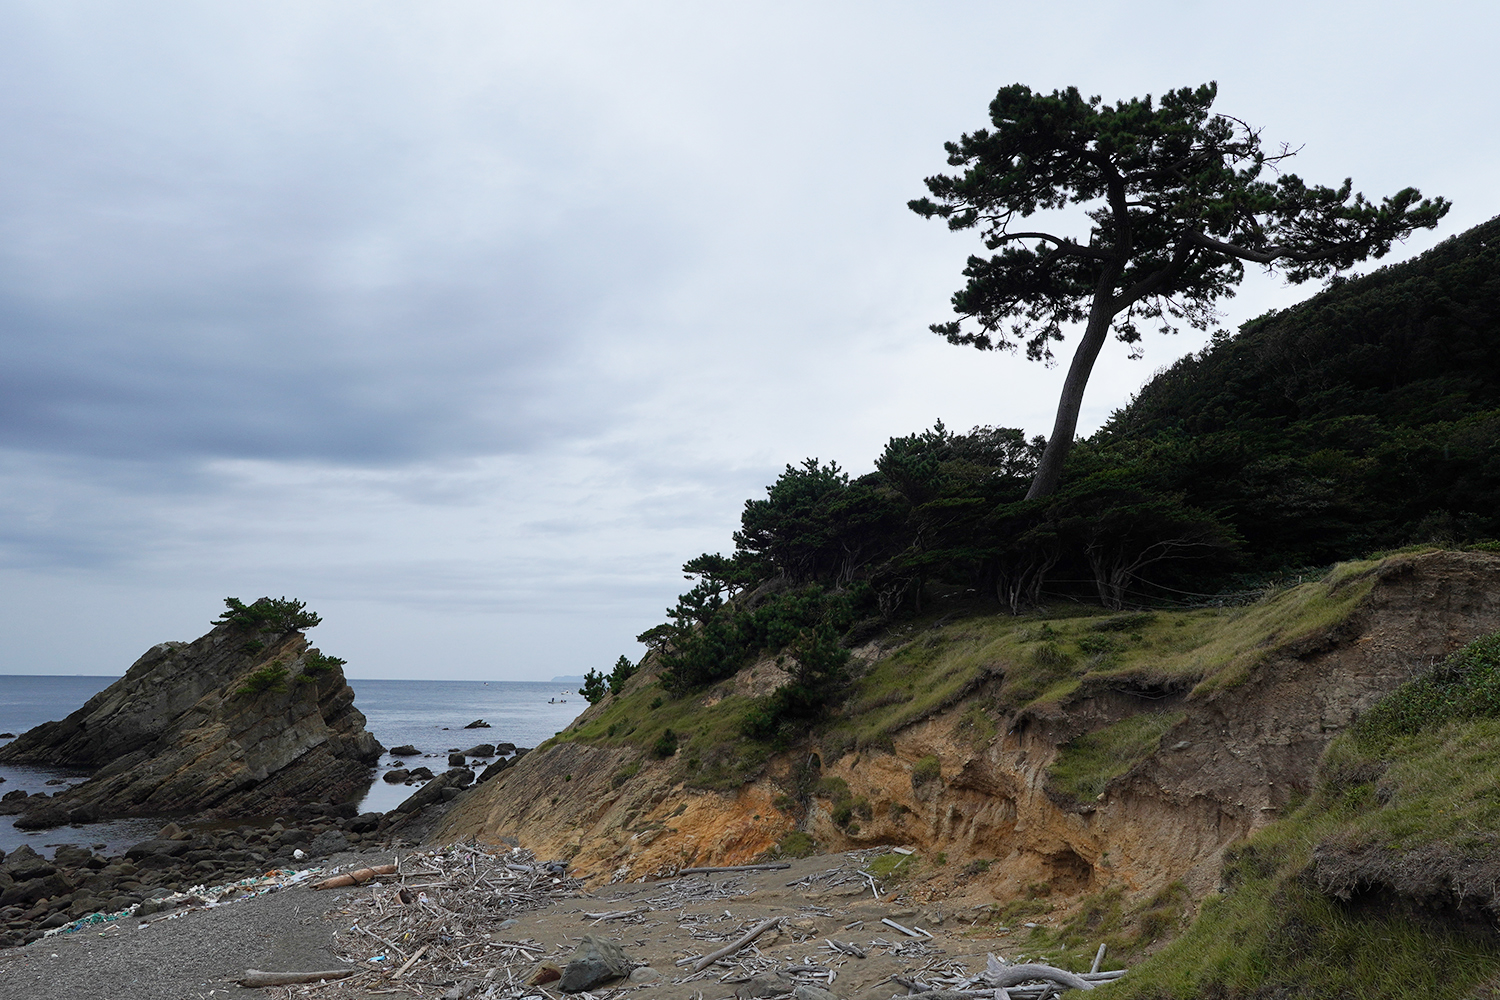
{"points": [[247, 720]]}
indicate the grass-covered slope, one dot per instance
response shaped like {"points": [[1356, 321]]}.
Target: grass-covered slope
{"points": [[1384, 883], [1365, 419], [1035, 664]]}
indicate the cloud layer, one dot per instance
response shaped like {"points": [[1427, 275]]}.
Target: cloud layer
{"points": [[469, 323]]}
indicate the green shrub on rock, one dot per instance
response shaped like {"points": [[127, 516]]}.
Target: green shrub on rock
{"points": [[271, 677], [315, 664], [269, 614], [665, 745]]}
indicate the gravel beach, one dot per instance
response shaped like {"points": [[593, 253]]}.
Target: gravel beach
{"points": [[199, 954], [822, 931]]}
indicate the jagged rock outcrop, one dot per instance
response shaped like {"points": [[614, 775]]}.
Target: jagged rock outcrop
{"points": [[244, 720]]}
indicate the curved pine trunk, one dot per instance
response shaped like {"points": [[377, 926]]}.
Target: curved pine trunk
{"points": [[1050, 469]]}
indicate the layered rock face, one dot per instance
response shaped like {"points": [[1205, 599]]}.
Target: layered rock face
{"points": [[242, 721]]}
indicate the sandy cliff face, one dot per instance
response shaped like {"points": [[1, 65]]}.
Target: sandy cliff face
{"points": [[1232, 762], [185, 730]]}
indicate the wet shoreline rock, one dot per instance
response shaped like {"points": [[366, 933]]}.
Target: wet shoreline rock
{"points": [[37, 895]]}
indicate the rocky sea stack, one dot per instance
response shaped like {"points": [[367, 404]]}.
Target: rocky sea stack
{"points": [[245, 720]]}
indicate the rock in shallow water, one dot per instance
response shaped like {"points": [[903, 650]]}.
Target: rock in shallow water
{"points": [[242, 720]]}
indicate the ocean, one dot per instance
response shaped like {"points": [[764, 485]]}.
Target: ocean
{"points": [[430, 715]]}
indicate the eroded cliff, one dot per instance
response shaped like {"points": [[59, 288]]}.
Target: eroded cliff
{"points": [[1132, 766]]}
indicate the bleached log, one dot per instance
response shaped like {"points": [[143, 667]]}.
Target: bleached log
{"points": [[735, 868], [1015, 975], [904, 930], [846, 947], [255, 979], [617, 914], [411, 961], [730, 949]]}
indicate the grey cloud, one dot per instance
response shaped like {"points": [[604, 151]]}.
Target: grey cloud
{"points": [[471, 322]]}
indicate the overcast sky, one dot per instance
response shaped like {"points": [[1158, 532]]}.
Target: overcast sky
{"points": [[470, 322]]}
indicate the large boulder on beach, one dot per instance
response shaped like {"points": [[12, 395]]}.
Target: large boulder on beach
{"points": [[595, 960], [246, 720]]}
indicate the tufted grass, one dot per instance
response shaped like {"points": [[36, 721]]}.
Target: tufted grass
{"points": [[1034, 663], [1087, 764], [1414, 777]]}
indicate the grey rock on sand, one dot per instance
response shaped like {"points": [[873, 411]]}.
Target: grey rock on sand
{"points": [[594, 961]]}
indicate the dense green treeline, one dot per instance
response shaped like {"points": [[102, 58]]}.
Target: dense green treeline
{"points": [[1367, 417]]}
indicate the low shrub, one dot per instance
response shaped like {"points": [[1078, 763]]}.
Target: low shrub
{"points": [[271, 677], [1465, 686], [893, 867], [315, 664], [1087, 764], [624, 774], [796, 844], [665, 745], [926, 770]]}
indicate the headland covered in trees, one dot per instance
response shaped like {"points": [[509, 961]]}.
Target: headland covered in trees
{"points": [[1363, 419], [1225, 700]]}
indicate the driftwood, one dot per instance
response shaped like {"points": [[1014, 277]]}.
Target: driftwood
{"points": [[1098, 958], [730, 949], [1015, 975], [735, 868], [904, 930], [1003, 981], [411, 961], [255, 979], [617, 914], [846, 947], [359, 877]]}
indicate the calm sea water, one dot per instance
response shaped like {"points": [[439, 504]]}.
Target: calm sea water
{"points": [[430, 715]]}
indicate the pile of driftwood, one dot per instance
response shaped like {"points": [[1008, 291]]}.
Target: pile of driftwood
{"points": [[1002, 981], [434, 920], [439, 925]]}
